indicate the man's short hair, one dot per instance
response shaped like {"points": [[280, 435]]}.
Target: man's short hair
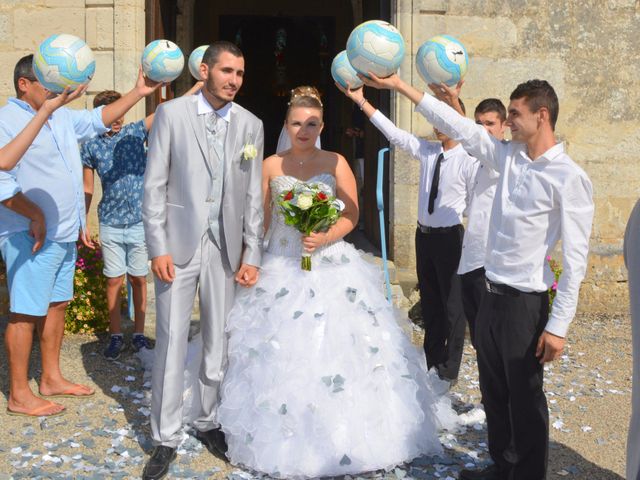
{"points": [[492, 105], [23, 69], [212, 53], [464, 109], [105, 98], [538, 94]]}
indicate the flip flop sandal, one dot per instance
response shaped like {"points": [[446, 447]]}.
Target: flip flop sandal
{"points": [[69, 393], [36, 412]]}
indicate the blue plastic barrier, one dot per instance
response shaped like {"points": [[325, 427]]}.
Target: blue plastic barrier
{"points": [[380, 202]]}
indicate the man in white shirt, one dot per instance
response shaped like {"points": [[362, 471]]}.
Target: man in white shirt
{"points": [[447, 174], [492, 115], [542, 197]]}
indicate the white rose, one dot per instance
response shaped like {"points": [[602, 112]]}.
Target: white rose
{"points": [[249, 151], [304, 201]]}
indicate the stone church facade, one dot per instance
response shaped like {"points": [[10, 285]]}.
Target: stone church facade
{"points": [[585, 49]]}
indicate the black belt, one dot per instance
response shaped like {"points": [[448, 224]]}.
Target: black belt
{"points": [[501, 288], [425, 229]]}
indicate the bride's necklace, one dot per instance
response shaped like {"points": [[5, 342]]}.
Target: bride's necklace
{"points": [[302, 161]]}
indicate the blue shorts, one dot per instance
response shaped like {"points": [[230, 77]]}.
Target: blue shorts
{"points": [[124, 250], [36, 280]]}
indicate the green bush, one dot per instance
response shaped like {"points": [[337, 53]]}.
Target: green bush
{"points": [[87, 312]]}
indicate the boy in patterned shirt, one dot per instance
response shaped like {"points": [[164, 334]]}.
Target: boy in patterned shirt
{"points": [[119, 157]]}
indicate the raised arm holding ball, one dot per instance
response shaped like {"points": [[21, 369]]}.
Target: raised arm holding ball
{"points": [[542, 197]]}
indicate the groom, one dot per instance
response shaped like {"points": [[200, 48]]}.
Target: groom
{"points": [[202, 213]]}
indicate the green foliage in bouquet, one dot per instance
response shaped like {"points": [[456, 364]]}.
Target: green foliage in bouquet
{"points": [[556, 268], [88, 313], [308, 208]]}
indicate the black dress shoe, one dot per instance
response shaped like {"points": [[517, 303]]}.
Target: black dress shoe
{"points": [[488, 473], [214, 441], [158, 465]]}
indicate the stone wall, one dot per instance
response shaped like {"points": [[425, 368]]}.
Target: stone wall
{"points": [[114, 29], [588, 51]]}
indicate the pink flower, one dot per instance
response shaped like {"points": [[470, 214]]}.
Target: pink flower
{"points": [[554, 286]]}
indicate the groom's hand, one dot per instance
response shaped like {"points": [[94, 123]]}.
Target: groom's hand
{"points": [[247, 275], [162, 267]]}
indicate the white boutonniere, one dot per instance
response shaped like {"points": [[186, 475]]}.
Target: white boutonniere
{"points": [[249, 150]]}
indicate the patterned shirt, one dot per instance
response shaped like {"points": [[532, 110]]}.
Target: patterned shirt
{"points": [[120, 161]]}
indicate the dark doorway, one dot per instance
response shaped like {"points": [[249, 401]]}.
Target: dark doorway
{"points": [[282, 53]]}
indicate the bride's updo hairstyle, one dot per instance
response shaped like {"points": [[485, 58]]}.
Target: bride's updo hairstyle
{"points": [[306, 97]]}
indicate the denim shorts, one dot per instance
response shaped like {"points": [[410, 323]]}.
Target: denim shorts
{"points": [[36, 280], [124, 250]]}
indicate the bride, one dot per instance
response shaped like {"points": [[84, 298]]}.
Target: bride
{"points": [[321, 379]]}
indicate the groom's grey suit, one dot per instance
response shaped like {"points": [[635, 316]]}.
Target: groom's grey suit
{"points": [[182, 183]]}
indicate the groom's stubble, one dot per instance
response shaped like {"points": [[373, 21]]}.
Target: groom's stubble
{"points": [[224, 79]]}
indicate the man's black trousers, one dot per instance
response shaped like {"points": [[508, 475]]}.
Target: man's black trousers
{"points": [[437, 259], [473, 289], [508, 326]]}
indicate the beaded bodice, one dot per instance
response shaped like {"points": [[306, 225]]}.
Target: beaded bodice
{"points": [[283, 239]]}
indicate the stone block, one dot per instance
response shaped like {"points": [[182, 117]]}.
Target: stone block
{"points": [[6, 30], [32, 26], [103, 78], [99, 3], [64, 3], [480, 35], [403, 247], [406, 169], [129, 27], [405, 204], [9, 59], [100, 28], [430, 7]]}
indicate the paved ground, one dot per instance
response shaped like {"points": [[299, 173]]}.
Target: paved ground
{"points": [[107, 437]]}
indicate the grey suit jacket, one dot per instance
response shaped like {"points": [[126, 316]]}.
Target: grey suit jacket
{"points": [[178, 180]]}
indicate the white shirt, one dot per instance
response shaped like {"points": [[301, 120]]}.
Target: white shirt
{"points": [[204, 107], [474, 244], [457, 174], [537, 203]]}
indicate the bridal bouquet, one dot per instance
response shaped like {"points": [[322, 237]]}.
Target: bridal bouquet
{"points": [[309, 208]]}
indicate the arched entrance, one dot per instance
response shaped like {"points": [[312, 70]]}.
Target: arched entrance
{"points": [[286, 43]]}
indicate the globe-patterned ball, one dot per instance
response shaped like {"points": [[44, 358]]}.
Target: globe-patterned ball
{"points": [[442, 59], [343, 73], [63, 60], [195, 59], [375, 46], [162, 61]]}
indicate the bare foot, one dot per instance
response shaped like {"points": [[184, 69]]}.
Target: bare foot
{"points": [[64, 388], [30, 405]]}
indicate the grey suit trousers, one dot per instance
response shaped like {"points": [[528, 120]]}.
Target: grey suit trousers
{"points": [[209, 274]]}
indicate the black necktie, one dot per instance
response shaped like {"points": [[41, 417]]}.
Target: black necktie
{"points": [[435, 181]]}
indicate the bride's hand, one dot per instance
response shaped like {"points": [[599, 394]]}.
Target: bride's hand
{"points": [[247, 275], [314, 241]]}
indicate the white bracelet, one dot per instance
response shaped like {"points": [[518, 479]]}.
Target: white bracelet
{"points": [[361, 104]]}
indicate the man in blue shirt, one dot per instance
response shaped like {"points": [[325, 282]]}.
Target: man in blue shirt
{"points": [[119, 158], [41, 215]]}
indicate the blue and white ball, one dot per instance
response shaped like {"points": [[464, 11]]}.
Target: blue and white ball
{"points": [[162, 61], [343, 73], [442, 59], [63, 60], [375, 46], [195, 59]]}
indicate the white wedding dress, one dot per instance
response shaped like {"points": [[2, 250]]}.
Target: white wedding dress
{"points": [[321, 379]]}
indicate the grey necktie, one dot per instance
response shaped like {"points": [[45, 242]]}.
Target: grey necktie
{"points": [[215, 133]]}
